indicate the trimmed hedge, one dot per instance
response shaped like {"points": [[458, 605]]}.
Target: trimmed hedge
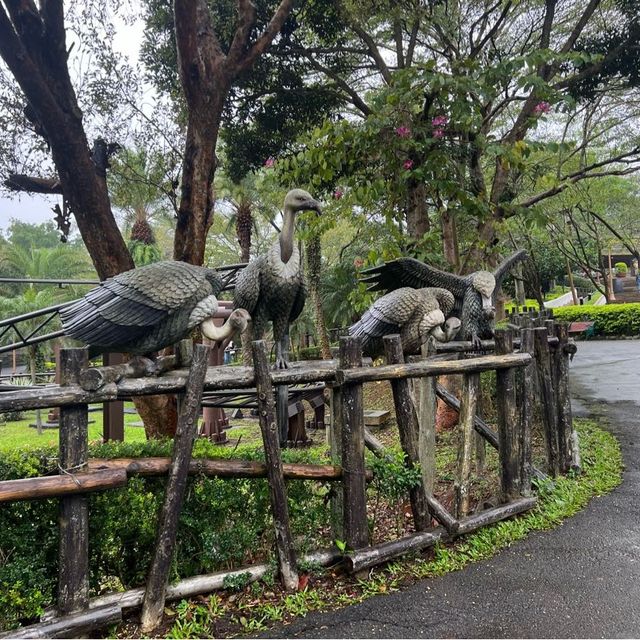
{"points": [[609, 320], [224, 523]]}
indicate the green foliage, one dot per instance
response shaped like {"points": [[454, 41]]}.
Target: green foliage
{"points": [[621, 268], [224, 523], [143, 253], [610, 319], [236, 582], [393, 477]]}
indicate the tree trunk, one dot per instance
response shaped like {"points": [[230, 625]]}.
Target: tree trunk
{"points": [[32, 370], [450, 239], [417, 216], [244, 224], [159, 415], [314, 256]]}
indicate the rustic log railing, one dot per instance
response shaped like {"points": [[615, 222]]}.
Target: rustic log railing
{"points": [[346, 375]]}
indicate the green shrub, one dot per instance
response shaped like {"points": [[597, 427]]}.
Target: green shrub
{"points": [[224, 524], [582, 283], [609, 320], [310, 353], [621, 268]]}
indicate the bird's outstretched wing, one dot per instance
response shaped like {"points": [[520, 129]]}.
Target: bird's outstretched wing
{"points": [[409, 272], [505, 266], [125, 308]]}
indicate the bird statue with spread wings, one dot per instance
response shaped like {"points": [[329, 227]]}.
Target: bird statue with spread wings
{"points": [[473, 293], [271, 287], [416, 314], [143, 310]]}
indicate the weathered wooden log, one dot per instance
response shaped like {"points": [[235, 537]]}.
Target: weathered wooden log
{"points": [[356, 530], [576, 460], [487, 345], [469, 403], [334, 438], [427, 405], [374, 445], [196, 585], [525, 394], [508, 422], [408, 430], [432, 368], [277, 488], [441, 514], [371, 556], [549, 414], [73, 554], [471, 523], [481, 427], [148, 467], [282, 413], [74, 626], [62, 485], [186, 433], [563, 397], [95, 378], [217, 379]]}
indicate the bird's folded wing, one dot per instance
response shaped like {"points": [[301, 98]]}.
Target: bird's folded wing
{"points": [[505, 266]]}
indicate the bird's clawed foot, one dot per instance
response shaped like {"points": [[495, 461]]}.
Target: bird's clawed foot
{"points": [[281, 363], [476, 343]]}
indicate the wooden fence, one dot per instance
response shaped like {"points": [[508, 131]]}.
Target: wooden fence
{"points": [[532, 385]]}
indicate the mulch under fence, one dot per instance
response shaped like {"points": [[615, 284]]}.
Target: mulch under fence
{"points": [[532, 386]]}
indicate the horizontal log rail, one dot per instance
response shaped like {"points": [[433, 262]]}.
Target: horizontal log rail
{"points": [[61, 485], [149, 467], [224, 377], [429, 368]]}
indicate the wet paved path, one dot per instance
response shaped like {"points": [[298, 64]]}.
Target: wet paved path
{"points": [[581, 580]]}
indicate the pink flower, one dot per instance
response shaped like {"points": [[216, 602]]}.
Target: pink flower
{"points": [[403, 132], [269, 163], [541, 108], [438, 133], [338, 193], [439, 121], [358, 262], [407, 164]]}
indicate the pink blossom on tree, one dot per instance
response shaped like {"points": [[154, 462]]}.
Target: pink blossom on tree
{"points": [[338, 193], [438, 133], [541, 108], [408, 164], [403, 132], [269, 163], [439, 121]]}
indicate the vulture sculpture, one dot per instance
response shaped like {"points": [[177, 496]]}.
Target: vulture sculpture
{"points": [[149, 308], [473, 293], [271, 287], [415, 314]]}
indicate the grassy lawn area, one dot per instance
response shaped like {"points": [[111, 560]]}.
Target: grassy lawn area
{"points": [[19, 435]]}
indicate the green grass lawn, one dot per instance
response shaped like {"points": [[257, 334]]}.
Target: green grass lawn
{"points": [[19, 435]]}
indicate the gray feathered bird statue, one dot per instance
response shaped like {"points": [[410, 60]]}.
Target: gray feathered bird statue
{"points": [[271, 287], [149, 308], [473, 293], [415, 314]]}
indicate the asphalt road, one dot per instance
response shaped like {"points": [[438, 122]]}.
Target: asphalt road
{"points": [[581, 580]]}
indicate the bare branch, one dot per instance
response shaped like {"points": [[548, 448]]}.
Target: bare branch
{"points": [[30, 184]]}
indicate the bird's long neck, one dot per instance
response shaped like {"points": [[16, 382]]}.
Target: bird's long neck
{"points": [[217, 334], [286, 235]]}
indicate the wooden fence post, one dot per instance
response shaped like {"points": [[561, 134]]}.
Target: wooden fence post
{"points": [[549, 413], [334, 437], [468, 407], [273, 459], [565, 418], [508, 421], [356, 530], [73, 556], [408, 430], [427, 403], [186, 433], [525, 395]]}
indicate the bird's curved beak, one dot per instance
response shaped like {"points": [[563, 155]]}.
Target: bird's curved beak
{"points": [[313, 205]]}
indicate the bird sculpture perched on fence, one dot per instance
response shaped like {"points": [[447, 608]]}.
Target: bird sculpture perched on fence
{"points": [[149, 308], [271, 287], [473, 293], [415, 314]]}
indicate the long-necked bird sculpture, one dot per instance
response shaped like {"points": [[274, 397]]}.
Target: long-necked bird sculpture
{"points": [[149, 308], [415, 314], [271, 287], [473, 293]]}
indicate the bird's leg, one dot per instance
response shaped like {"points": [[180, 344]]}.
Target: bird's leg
{"points": [[282, 349], [476, 342]]}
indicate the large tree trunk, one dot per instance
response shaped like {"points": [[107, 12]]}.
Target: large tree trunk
{"points": [[450, 239], [417, 215], [244, 225]]}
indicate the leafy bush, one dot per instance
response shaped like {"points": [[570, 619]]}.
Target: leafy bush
{"points": [[610, 320], [224, 523], [580, 282], [310, 353], [621, 268]]}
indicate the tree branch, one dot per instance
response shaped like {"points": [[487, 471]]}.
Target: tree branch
{"points": [[246, 22], [30, 184], [580, 25], [374, 52], [268, 35]]}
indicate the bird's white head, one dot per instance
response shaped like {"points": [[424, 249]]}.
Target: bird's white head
{"points": [[238, 320], [484, 283], [301, 200]]}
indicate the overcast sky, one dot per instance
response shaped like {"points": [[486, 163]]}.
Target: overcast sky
{"points": [[37, 208]]}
